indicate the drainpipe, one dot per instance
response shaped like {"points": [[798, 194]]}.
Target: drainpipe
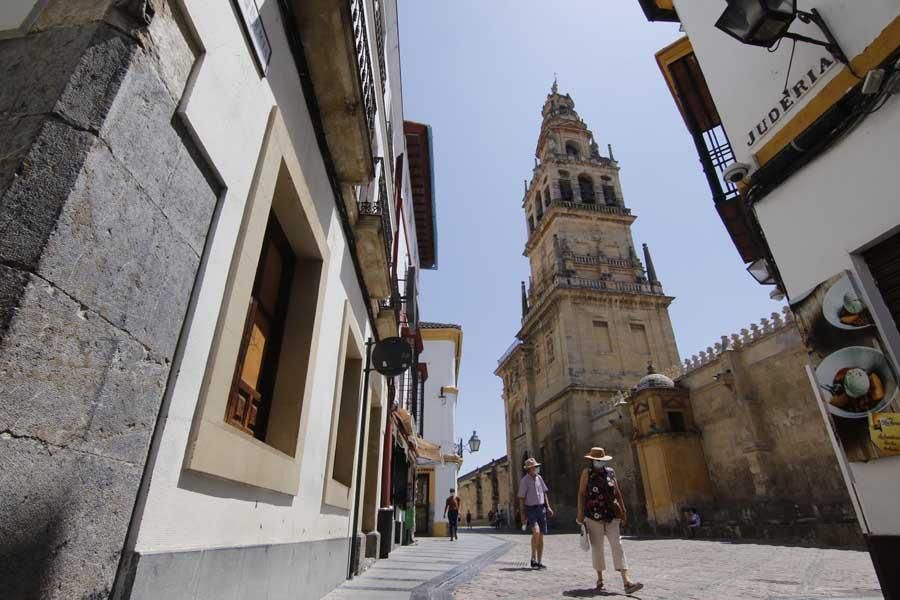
{"points": [[354, 548]]}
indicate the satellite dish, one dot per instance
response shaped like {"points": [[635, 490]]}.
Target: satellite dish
{"points": [[392, 356]]}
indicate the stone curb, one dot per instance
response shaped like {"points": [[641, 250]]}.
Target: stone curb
{"points": [[443, 586]]}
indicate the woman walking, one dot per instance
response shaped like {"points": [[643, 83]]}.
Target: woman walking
{"points": [[600, 500]]}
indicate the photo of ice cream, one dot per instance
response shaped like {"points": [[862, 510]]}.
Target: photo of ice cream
{"points": [[856, 381], [843, 308]]}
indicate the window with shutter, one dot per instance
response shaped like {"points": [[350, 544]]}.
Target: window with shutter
{"points": [[883, 260], [250, 400]]}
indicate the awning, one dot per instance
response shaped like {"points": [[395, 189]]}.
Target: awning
{"points": [[404, 420], [429, 450]]}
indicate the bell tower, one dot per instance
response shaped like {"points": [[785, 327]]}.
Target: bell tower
{"points": [[593, 313]]}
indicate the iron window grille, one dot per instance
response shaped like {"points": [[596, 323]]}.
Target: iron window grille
{"points": [[364, 64]]}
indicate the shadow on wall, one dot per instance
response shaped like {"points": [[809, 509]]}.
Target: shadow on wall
{"points": [[209, 486], [28, 551]]}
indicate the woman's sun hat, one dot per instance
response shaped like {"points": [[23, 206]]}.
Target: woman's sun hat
{"points": [[598, 454], [531, 463]]}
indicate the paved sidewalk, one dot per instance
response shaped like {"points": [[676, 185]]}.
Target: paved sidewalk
{"points": [[427, 570], [676, 569]]}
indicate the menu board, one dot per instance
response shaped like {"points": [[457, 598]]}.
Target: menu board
{"points": [[855, 376]]}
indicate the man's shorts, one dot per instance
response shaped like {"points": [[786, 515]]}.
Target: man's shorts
{"points": [[453, 517], [536, 515]]}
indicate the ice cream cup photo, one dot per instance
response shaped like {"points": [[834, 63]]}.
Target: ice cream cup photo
{"points": [[843, 308], [856, 376]]}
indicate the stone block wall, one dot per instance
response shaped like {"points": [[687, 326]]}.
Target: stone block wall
{"points": [[490, 483], [782, 481], [105, 206], [613, 429]]}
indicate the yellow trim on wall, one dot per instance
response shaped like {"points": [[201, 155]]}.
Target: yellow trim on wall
{"points": [[450, 334], [668, 55], [881, 47]]}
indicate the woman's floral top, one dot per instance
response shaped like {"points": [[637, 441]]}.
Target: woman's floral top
{"points": [[600, 495]]}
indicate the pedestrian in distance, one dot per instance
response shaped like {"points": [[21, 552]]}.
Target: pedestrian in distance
{"points": [[469, 519], [693, 521], [534, 504], [451, 512], [601, 501]]}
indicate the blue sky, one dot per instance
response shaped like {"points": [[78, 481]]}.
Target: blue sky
{"points": [[478, 71]]}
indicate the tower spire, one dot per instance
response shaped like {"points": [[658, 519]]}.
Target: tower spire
{"points": [[651, 271], [554, 88]]}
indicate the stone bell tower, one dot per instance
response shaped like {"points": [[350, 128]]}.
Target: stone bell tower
{"points": [[593, 314]]}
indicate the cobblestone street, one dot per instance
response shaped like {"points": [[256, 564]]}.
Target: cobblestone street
{"points": [[678, 570]]}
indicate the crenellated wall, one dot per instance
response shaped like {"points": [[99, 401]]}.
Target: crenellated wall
{"points": [[773, 472]]}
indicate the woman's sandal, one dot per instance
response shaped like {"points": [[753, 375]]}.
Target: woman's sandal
{"points": [[601, 585], [632, 588]]}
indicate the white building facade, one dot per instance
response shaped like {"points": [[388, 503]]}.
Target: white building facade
{"points": [[439, 469], [811, 132], [252, 264]]}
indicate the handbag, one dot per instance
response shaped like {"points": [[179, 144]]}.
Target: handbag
{"points": [[618, 510], [585, 541]]}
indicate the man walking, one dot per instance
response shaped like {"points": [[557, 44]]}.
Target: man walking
{"points": [[469, 519], [451, 512], [534, 504], [693, 522]]}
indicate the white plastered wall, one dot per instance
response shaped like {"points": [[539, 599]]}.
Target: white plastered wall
{"points": [[226, 107], [815, 222], [747, 81], [440, 413], [837, 204]]}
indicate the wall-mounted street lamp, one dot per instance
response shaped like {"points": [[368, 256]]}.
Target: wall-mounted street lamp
{"points": [[760, 271], [474, 444], [764, 22]]}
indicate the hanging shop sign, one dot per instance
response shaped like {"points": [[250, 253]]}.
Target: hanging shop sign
{"points": [[789, 99], [392, 356], [255, 30]]}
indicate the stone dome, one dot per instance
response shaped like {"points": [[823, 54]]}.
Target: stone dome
{"points": [[654, 380]]}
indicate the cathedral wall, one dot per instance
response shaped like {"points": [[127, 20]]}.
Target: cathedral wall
{"points": [[806, 485], [611, 430], [610, 342]]}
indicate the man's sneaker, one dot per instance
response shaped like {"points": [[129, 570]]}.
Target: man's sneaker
{"points": [[535, 564], [541, 566]]}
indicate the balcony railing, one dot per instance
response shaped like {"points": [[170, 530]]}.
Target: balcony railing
{"points": [[509, 351], [391, 156], [381, 208], [609, 285], [395, 300], [379, 40], [624, 263], [364, 60], [536, 294], [601, 208]]}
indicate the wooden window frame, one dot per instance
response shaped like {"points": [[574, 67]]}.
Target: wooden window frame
{"points": [[275, 325], [215, 447]]}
